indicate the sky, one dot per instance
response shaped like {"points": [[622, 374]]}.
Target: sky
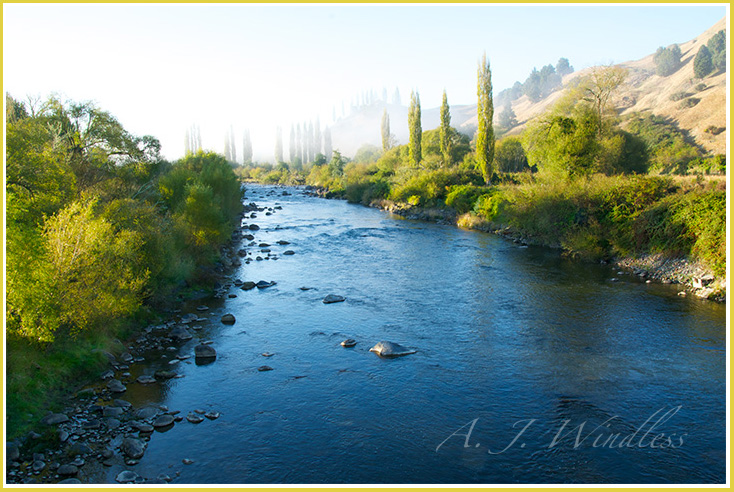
{"points": [[159, 68]]}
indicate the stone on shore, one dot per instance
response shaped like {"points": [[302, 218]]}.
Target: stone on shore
{"points": [[54, 419], [116, 386]]}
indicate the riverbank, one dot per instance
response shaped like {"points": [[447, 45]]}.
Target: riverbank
{"points": [[697, 278], [87, 426]]}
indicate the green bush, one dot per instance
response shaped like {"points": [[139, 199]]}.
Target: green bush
{"points": [[462, 197], [677, 96]]}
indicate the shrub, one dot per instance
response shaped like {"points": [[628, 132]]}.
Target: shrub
{"points": [[677, 96], [689, 103], [462, 197]]}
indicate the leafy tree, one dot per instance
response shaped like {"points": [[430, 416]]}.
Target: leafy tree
{"points": [[667, 60], [485, 114], [445, 131], [703, 63], [563, 67], [598, 89], [459, 144], [414, 129], [336, 165], [532, 87], [510, 156], [508, 119], [385, 130], [562, 145]]}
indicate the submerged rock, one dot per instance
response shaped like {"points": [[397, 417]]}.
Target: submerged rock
{"points": [[264, 368], [332, 298], [391, 349], [205, 351], [181, 333]]}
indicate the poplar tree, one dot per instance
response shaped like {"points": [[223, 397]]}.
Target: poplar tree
{"points": [[327, 143], [278, 145], [317, 138], [385, 130], [187, 143], [232, 145], [414, 130], [444, 134], [227, 153], [485, 113], [292, 146], [246, 148]]}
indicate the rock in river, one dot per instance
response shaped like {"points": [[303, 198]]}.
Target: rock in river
{"points": [[248, 285], [67, 470], [116, 386], [180, 333], [163, 421], [145, 379], [391, 349], [126, 476], [332, 298], [194, 418], [205, 352], [133, 448], [289, 252], [228, 319], [349, 342], [264, 285]]}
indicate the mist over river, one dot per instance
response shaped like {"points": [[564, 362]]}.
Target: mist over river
{"points": [[530, 368]]}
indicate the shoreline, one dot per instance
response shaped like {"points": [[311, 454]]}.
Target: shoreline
{"points": [[697, 280]]}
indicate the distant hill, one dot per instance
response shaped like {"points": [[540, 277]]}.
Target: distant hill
{"points": [[644, 91]]}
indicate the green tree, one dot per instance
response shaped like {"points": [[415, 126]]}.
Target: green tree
{"points": [[508, 119], [385, 130], [336, 165], [510, 156], [485, 114], [415, 132], [717, 48], [667, 60], [562, 145], [598, 89], [703, 64], [563, 67], [327, 142], [445, 131]]}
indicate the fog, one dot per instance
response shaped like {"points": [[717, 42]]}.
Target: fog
{"points": [[249, 67]]}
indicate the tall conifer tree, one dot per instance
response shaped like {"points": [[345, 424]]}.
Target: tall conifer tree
{"points": [[485, 113]]}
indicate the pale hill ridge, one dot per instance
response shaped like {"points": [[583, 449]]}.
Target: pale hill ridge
{"points": [[643, 92]]}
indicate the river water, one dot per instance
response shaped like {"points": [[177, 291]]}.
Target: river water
{"points": [[530, 368]]}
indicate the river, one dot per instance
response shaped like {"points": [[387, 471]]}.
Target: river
{"points": [[530, 368]]}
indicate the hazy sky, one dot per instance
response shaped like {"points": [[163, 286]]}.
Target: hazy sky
{"points": [[160, 68]]}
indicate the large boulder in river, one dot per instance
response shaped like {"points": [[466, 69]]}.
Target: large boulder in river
{"points": [[332, 298], [391, 349], [133, 448], [248, 285], [180, 333], [228, 319], [204, 352]]}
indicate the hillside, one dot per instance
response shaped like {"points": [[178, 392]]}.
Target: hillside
{"points": [[644, 91]]}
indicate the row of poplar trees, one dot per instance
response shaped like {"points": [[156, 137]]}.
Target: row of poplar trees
{"points": [[485, 130]]}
